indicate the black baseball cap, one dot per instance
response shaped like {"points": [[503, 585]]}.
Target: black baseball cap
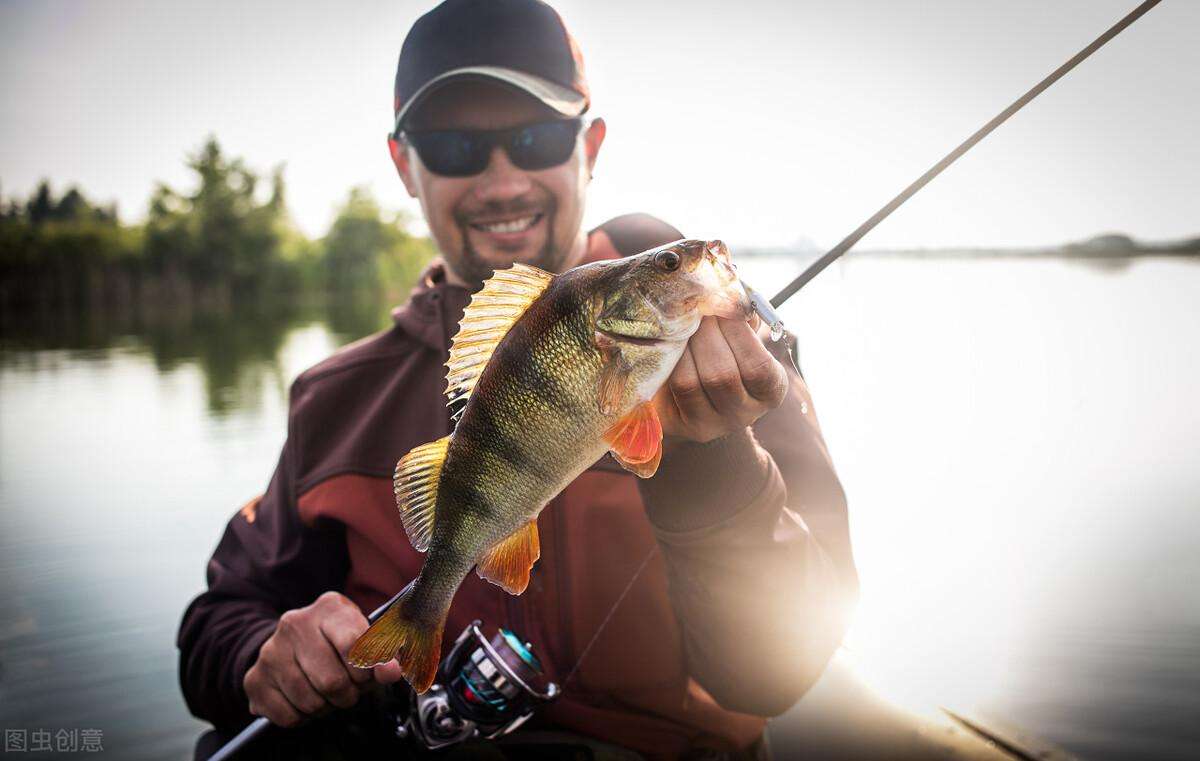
{"points": [[520, 43]]}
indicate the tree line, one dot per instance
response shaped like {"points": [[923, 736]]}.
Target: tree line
{"points": [[228, 243]]}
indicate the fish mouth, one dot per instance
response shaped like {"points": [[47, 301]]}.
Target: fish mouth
{"points": [[635, 340], [731, 305], [671, 327]]}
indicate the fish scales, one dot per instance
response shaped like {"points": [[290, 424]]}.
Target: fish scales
{"points": [[496, 474], [535, 403]]}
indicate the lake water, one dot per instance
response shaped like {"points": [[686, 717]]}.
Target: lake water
{"points": [[1018, 440]]}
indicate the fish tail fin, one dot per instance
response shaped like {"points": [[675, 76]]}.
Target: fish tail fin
{"points": [[415, 644]]}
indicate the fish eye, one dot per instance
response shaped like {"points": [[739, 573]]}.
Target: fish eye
{"points": [[668, 260]]}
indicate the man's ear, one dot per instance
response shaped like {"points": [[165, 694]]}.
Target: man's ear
{"points": [[400, 158], [592, 140]]}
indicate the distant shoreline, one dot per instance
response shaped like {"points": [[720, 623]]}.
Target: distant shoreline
{"points": [[1114, 248]]}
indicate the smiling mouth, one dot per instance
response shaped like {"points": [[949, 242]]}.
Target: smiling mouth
{"points": [[513, 225]]}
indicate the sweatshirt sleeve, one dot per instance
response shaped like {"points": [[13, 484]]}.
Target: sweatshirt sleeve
{"points": [[754, 531], [267, 562]]}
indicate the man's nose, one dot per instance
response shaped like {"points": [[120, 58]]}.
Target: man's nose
{"points": [[501, 180]]}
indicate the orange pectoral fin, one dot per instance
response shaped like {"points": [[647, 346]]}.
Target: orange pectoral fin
{"points": [[508, 563], [612, 385], [636, 440], [613, 375]]}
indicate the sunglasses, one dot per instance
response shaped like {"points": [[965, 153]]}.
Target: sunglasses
{"points": [[466, 152]]}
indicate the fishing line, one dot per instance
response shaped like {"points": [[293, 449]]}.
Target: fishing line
{"points": [[828, 258], [608, 616]]}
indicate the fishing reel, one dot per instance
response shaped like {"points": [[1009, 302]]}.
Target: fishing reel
{"points": [[484, 689]]}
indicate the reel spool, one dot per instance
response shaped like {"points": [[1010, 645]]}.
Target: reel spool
{"points": [[485, 689]]}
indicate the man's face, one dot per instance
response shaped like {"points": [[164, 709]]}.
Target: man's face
{"points": [[504, 214]]}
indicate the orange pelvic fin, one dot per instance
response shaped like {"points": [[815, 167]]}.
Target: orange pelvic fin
{"points": [[636, 440], [415, 645], [507, 564]]}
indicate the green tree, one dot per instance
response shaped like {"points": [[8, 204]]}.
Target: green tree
{"points": [[369, 259], [41, 205], [368, 249], [62, 253], [221, 235], [217, 274]]}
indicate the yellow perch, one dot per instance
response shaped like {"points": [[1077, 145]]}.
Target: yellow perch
{"points": [[556, 370]]}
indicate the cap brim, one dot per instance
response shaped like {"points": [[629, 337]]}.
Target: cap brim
{"points": [[554, 96]]}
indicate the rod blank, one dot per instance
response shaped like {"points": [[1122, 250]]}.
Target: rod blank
{"points": [[828, 258]]}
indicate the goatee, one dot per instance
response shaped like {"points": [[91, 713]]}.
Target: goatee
{"points": [[475, 269]]}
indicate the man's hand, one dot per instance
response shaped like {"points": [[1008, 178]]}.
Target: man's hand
{"points": [[301, 669], [725, 381]]}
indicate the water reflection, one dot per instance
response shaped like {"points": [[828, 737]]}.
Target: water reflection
{"points": [[1017, 440], [236, 349]]}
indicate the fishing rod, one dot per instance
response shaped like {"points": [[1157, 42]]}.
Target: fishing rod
{"points": [[260, 725], [486, 688], [766, 309]]}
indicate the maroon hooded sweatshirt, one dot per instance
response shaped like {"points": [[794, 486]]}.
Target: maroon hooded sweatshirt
{"points": [[731, 621]]}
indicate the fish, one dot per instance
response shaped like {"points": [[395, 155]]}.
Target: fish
{"points": [[554, 370]]}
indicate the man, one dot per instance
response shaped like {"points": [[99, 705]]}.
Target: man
{"points": [[744, 595]]}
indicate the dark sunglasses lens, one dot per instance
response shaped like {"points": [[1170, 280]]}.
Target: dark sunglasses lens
{"points": [[451, 153], [541, 146]]}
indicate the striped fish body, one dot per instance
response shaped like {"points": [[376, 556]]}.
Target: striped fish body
{"points": [[557, 370]]}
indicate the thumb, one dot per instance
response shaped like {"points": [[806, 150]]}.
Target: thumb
{"points": [[387, 673]]}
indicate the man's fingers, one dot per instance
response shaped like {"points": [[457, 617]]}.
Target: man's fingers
{"points": [[725, 380], [387, 673], [274, 706], [317, 662], [301, 669], [341, 630], [684, 383], [295, 686], [761, 374], [718, 368], [327, 673], [322, 647], [357, 676], [276, 669]]}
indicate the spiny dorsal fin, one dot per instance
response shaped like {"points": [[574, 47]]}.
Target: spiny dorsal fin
{"points": [[416, 487], [509, 561], [504, 298]]}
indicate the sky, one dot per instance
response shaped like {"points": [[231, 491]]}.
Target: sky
{"points": [[763, 123]]}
